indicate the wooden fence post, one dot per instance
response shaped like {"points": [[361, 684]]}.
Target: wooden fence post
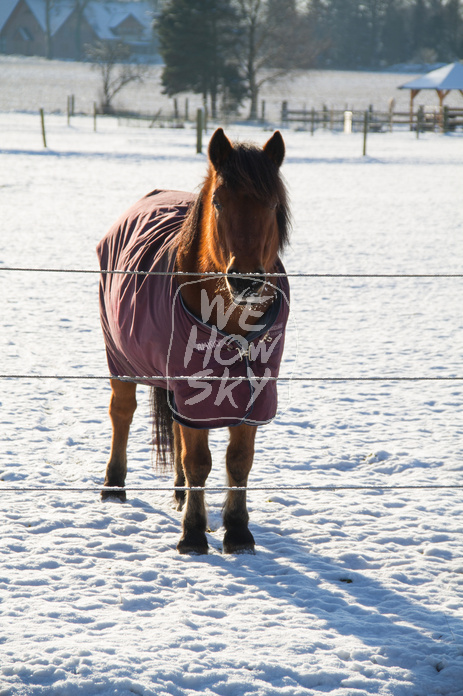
{"points": [[419, 121], [446, 119], [94, 116], [365, 132], [69, 110], [262, 117], [325, 115], [199, 131], [312, 121], [284, 112], [187, 116], [42, 120]]}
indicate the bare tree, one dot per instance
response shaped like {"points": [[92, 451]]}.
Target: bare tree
{"points": [[79, 8], [111, 58], [275, 39]]}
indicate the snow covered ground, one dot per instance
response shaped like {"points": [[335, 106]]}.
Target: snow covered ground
{"points": [[30, 83], [350, 592]]}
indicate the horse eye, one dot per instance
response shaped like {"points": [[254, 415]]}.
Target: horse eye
{"points": [[218, 206]]}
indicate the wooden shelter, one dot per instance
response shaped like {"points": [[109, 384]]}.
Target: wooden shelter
{"points": [[443, 80]]}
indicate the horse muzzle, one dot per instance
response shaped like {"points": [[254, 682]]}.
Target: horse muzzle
{"points": [[245, 288]]}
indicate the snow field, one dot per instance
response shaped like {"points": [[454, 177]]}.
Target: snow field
{"points": [[29, 83], [350, 592]]}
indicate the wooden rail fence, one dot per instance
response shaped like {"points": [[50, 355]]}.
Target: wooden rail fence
{"points": [[424, 119]]}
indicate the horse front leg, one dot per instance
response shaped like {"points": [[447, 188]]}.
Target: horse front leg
{"points": [[122, 406], [240, 453], [196, 462]]}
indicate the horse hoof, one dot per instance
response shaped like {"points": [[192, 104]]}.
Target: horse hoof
{"points": [[113, 495], [238, 541], [193, 542]]}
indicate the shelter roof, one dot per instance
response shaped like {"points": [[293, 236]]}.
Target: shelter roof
{"points": [[448, 77]]}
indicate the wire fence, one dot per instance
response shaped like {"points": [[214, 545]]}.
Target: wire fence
{"points": [[216, 274], [221, 489]]}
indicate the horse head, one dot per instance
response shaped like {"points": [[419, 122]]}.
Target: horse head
{"points": [[246, 209]]}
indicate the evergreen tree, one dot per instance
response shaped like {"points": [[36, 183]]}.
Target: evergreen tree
{"points": [[453, 28], [395, 39], [196, 41]]}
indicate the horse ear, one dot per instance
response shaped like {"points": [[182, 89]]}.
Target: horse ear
{"points": [[275, 148], [220, 148]]}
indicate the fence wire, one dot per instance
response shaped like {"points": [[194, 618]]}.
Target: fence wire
{"points": [[214, 274], [213, 378], [222, 489]]}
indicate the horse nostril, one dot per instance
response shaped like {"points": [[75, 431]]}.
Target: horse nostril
{"points": [[245, 284]]}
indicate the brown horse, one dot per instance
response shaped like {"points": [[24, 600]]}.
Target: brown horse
{"points": [[228, 326]]}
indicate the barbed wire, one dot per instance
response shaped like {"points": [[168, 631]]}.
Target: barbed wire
{"points": [[217, 274], [222, 489], [214, 378]]}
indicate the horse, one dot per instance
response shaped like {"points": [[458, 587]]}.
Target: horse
{"points": [[187, 287]]}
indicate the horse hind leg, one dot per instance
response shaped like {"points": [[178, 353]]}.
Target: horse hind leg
{"points": [[240, 453], [179, 474], [122, 406]]}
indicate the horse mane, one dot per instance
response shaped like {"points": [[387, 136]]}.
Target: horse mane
{"points": [[250, 169]]}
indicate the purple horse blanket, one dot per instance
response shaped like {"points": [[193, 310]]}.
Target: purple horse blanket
{"points": [[151, 335]]}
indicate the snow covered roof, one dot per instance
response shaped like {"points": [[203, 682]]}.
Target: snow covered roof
{"points": [[58, 13], [6, 8], [106, 17], [103, 17], [448, 77]]}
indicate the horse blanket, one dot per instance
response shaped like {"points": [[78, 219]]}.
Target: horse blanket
{"points": [[151, 335]]}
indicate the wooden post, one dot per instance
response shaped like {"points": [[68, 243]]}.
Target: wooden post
{"points": [[419, 120], [365, 132], [262, 118], [175, 109], [325, 115], [199, 131], [94, 116], [445, 122], [187, 116], [312, 121], [413, 94], [284, 112], [42, 120], [69, 110], [391, 113]]}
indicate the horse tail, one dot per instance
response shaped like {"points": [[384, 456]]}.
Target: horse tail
{"points": [[163, 432]]}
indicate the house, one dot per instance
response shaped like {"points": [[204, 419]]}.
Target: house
{"points": [[61, 28]]}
